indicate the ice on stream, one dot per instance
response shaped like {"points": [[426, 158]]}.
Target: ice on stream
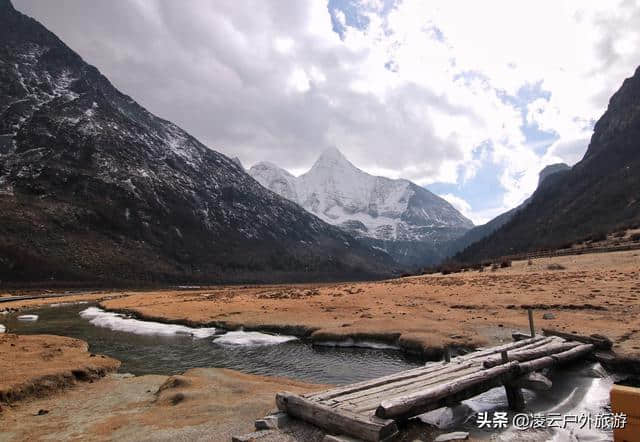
{"points": [[119, 322], [251, 338], [360, 344], [28, 318]]}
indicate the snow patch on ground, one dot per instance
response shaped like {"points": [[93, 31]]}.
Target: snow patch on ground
{"points": [[252, 338], [28, 318], [119, 322], [360, 344], [2, 328]]}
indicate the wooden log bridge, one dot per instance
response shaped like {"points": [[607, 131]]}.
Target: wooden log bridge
{"points": [[369, 410]]}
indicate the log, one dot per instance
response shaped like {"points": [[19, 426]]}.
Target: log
{"points": [[600, 342], [494, 350], [368, 428], [533, 353], [369, 403], [519, 336], [359, 386], [412, 383], [540, 343], [533, 381], [556, 359], [418, 401]]}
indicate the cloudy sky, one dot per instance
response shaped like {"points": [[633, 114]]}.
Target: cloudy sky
{"points": [[467, 98]]}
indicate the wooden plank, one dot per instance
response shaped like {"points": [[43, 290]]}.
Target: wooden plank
{"points": [[540, 343], [451, 369], [534, 353], [372, 402], [599, 341], [408, 374], [498, 349], [340, 422], [335, 392], [414, 403], [414, 385]]}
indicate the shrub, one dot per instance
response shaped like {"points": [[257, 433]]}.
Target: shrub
{"points": [[599, 236], [494, 266], [635, 237], [556, 266], [450, 268], [505, 263], [620, 234], [530, 263]]}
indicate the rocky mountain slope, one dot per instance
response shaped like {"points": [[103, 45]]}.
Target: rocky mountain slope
{"points": [[398, 216], [479, 232], [599, 194], [95, 187]]}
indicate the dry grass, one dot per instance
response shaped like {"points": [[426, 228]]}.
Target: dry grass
{"points": [[591, 295]]}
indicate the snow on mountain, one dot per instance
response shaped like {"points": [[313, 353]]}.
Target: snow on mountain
{"points": [[367, 206]]}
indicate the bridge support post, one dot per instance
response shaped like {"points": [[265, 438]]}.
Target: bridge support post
{"points": [[531, 327], [447, 354], [515, 398]]}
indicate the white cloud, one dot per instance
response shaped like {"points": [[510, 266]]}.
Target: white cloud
{"points": [[412, 95], [478, 217], [457, 202]]}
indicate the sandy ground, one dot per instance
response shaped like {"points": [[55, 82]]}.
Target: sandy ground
{"points": [[40, 364], [202, 404], [596, 293]]}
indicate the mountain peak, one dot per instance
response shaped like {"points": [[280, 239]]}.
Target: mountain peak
{"points": [[550, 170], [332, 156]]}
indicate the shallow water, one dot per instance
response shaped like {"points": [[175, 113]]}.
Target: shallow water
{"points": [[577, 390], [174, 353]]}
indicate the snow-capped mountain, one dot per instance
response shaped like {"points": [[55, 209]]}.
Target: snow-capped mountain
{"points": [[94, 186], [399, 216]]}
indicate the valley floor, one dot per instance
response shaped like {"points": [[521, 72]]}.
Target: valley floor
{"points": [[598, 293]]}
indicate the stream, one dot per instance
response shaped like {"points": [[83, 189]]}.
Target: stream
{"points": [[146, 347]]}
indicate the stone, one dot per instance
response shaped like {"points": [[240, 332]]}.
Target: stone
{"points": [[456, 435], [548, 316], [340, 438], [251, 437], [272, 421]]}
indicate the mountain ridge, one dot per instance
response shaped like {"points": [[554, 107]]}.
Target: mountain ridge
{"points": [[599, 194], [478, 232], [95, 187]]}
